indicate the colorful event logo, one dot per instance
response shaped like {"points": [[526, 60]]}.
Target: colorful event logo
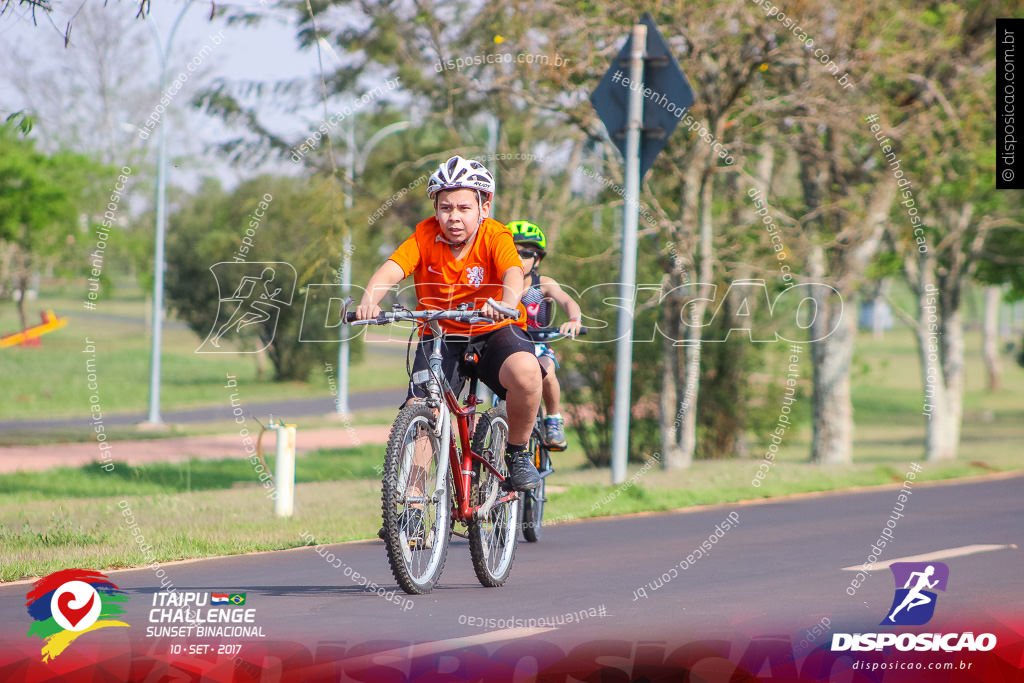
{"points": [[913, 605], [69, 603]]}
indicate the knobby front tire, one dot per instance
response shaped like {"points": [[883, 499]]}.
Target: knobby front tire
{"points": [[533, 501], [492, 540], [415, 477]]}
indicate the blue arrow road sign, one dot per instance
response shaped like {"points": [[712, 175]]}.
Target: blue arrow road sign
{"points": [[666, 96]]}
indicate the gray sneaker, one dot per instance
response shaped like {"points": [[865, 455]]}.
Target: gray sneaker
{"points": [[554, 434]]}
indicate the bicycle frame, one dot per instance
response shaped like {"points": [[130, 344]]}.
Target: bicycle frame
{"points": [[460, 455]]}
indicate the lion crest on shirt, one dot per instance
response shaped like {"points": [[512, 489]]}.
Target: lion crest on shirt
{"points": [[475, 275]]}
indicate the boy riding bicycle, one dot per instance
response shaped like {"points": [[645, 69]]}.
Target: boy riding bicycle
{"points": [[539, 291], [460, 256]]}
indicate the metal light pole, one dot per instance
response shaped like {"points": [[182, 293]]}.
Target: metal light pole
{"points": [[161, 222], [630, 220], [493, 133], [355, 164]]}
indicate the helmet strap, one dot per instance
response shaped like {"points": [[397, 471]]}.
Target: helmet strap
{"points": [[441, 238]]}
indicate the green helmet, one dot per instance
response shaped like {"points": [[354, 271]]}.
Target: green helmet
{"points": [[525, 232]]}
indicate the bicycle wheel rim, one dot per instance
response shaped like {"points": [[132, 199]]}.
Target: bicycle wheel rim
{"points": [[496, 532]]}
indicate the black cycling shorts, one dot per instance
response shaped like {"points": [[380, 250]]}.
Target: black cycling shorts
{"points": [[493, 347]]}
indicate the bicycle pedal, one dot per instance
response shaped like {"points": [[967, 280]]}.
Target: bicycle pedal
{"points": [[557, 449]]}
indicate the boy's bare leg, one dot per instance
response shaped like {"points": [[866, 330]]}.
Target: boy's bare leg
{"points": [[554, 435], [520, 375], [552, 390]]}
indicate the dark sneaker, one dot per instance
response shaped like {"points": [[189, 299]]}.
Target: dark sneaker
{"points": [[554, 434], [522, 473]]}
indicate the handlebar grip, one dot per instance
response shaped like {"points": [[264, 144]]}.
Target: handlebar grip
{"points": [[510, 312], [350, 317]]}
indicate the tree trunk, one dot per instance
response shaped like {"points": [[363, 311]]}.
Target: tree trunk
{"points": [[680, 414], [831, 406], [260, 356], [22, 291], [938, 439], [691, 384], [691, 369], [990, 338], [669, 414], [832, 356], [953, 376], [876, 309]]}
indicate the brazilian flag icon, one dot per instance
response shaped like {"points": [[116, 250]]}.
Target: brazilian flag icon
{"points": [[237, 598]]}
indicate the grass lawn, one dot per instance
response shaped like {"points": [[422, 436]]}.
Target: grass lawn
{"points": [[50, 381]]}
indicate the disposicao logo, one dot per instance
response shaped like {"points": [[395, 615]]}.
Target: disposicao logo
{"points": [[914, 605], [69, 603], [912, 581]]}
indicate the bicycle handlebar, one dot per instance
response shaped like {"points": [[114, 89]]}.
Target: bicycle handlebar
{"points": [[510, 312], [469, 315], [543, 334]]}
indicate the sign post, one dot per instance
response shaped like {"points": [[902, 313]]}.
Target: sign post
{"points": [[630, 221], [640, 132]]}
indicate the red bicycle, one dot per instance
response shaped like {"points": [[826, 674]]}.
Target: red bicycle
{"points": [[432, 479]]}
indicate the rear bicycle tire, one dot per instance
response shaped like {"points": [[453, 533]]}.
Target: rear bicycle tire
{"points": [[492, 539], [416, 564], [533, 501]]}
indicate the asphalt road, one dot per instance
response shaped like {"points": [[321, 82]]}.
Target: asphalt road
{"points": [[779, 571]]}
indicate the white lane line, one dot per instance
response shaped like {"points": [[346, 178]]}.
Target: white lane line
{"points": [[937, 555]]}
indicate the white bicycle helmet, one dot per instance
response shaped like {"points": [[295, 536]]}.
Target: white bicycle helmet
{"points": [[458, 173]]}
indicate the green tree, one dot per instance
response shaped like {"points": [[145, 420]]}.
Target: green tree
{"points": [[942, 135], [209, 228], [44, 199], [588, 364]]}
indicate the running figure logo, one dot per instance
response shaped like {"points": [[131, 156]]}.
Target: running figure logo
{"points": [[258, 291], [914, 603]]}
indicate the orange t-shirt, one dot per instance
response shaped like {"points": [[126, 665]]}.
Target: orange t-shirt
{"points": [[443, 282]]}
